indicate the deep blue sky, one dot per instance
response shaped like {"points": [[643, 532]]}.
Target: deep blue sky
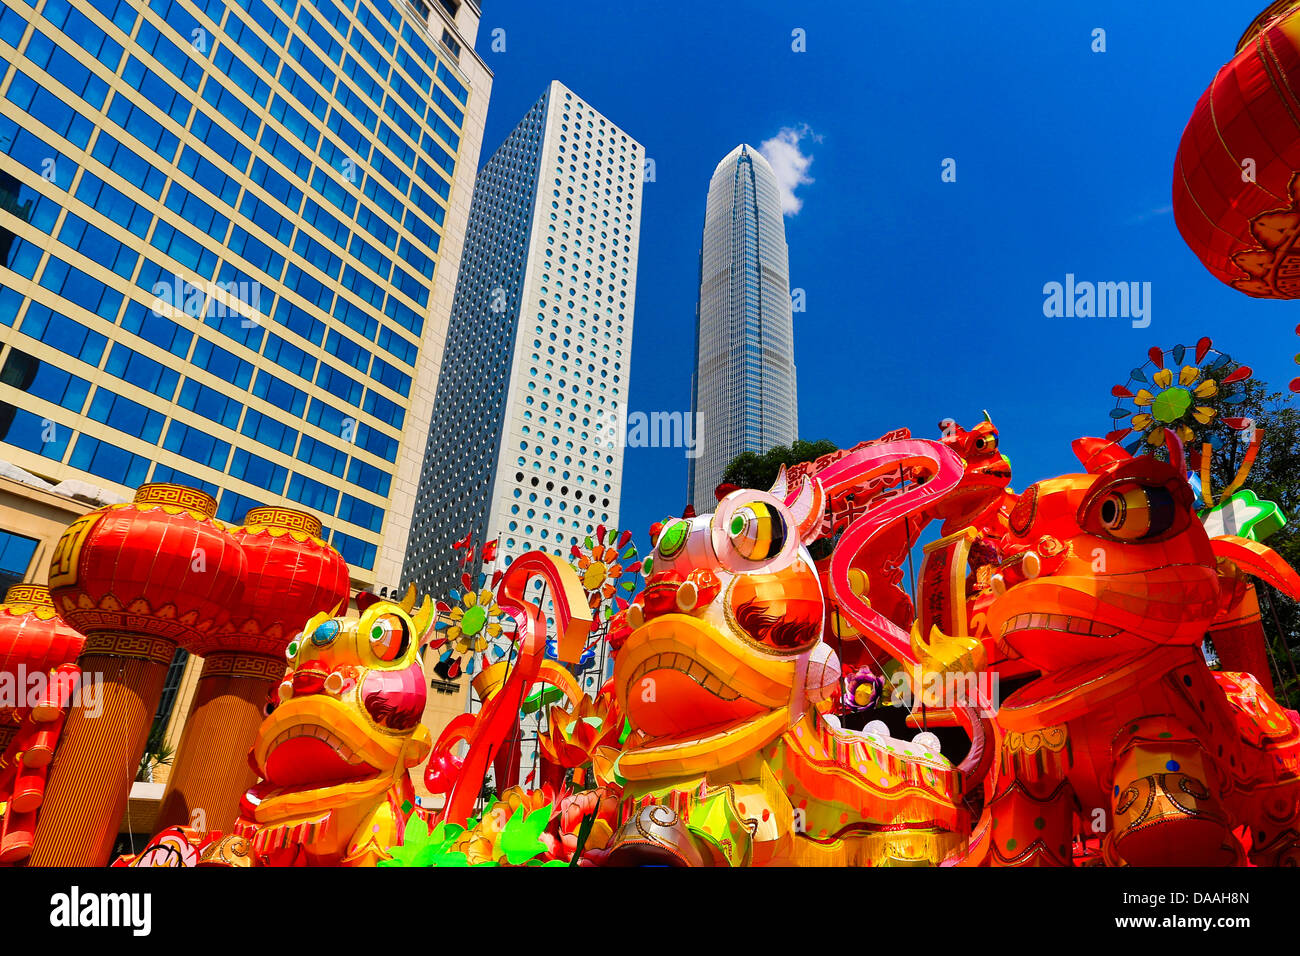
{"points": [[924, 298]]}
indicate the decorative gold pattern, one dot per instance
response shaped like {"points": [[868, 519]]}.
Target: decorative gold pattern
{"points": [[288, 519], [33, 594], [176, 496], [1030, 742], [139, 646], [67, 553], [243, 665]]}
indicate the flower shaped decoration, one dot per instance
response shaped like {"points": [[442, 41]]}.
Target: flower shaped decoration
{"points": [[467, 627], [573, 735], [863, 690], [1183, 391], [602, 564]]}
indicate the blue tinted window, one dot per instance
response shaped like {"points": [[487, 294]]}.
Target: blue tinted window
{"points": [[156, 328], [31, 375], [390, 413], [269, 431], [289, 357], [312, 493], [361, 513], [397, 346], [127, 416], [163, 473], [338, 383], [279, 393], [354, 550], [66, 334], [128, 164], [210, 403], [222, 364], [369, 477], [233, 507], [323, 456], [258, 471], [25, 430], [108, 461], [113, 204], [197, 445], [142, 371]]}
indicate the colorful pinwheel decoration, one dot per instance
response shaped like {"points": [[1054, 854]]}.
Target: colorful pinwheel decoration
{"points": [[607, 565], [601, 565], [468, 626], [1181, 390]]}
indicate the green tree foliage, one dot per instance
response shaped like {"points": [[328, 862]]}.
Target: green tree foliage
{"points": [[752, 470], [1275, 477]]}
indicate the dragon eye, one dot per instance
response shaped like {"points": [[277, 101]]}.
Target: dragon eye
{"points": [[388, 640], [757, 531], [1134, 512], [325, 633], [986, 443], [673, 538]]}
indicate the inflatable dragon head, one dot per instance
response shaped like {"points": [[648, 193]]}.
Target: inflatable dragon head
{"points": [[725, 640], [1104, 564], [334, 754]]}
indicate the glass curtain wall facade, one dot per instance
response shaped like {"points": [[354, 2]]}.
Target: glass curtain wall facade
{"points": [[744, 381], [223, 228]]}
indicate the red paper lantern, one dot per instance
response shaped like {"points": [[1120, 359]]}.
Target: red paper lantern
{"points": [[138, 580], [32, 635], [1236, 190], [290, 576], [161, 566]]}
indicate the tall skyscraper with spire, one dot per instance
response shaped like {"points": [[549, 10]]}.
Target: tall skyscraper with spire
{"points": [[744, 381]]}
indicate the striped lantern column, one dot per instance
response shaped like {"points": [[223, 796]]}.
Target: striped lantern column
{"points": [[138, 580]]}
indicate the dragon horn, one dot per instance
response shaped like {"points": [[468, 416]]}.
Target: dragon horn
{"points": [[408, 602]]}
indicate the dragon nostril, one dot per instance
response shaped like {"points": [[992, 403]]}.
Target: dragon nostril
{"points": [[635, 616], [286, 690], [687, 596], [999, 584], [1031, 565], [334, 684]]}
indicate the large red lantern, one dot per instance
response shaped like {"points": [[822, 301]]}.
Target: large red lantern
{"points": [[1236, 189], [290, 575], [37, 650], [138, 580]]}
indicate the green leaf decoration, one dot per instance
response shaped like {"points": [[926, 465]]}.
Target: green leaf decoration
{"points": [[420, 847], [520, 840], [630, 553]]}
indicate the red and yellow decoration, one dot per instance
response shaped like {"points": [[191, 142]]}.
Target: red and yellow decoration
{"points": [[1236, 192], [39, 681], [138, 580], [290, 576]]}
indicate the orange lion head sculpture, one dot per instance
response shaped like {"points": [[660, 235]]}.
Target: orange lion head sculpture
{"points": [[726, 637], [1117, 563]]}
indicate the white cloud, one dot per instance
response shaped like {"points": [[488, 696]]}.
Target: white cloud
{"points": [[790, 163]]}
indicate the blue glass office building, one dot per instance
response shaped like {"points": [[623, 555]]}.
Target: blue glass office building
{"points": [[221, 232]]}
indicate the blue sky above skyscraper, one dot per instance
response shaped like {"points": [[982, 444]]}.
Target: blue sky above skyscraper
{"points": [[924, 297]]}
